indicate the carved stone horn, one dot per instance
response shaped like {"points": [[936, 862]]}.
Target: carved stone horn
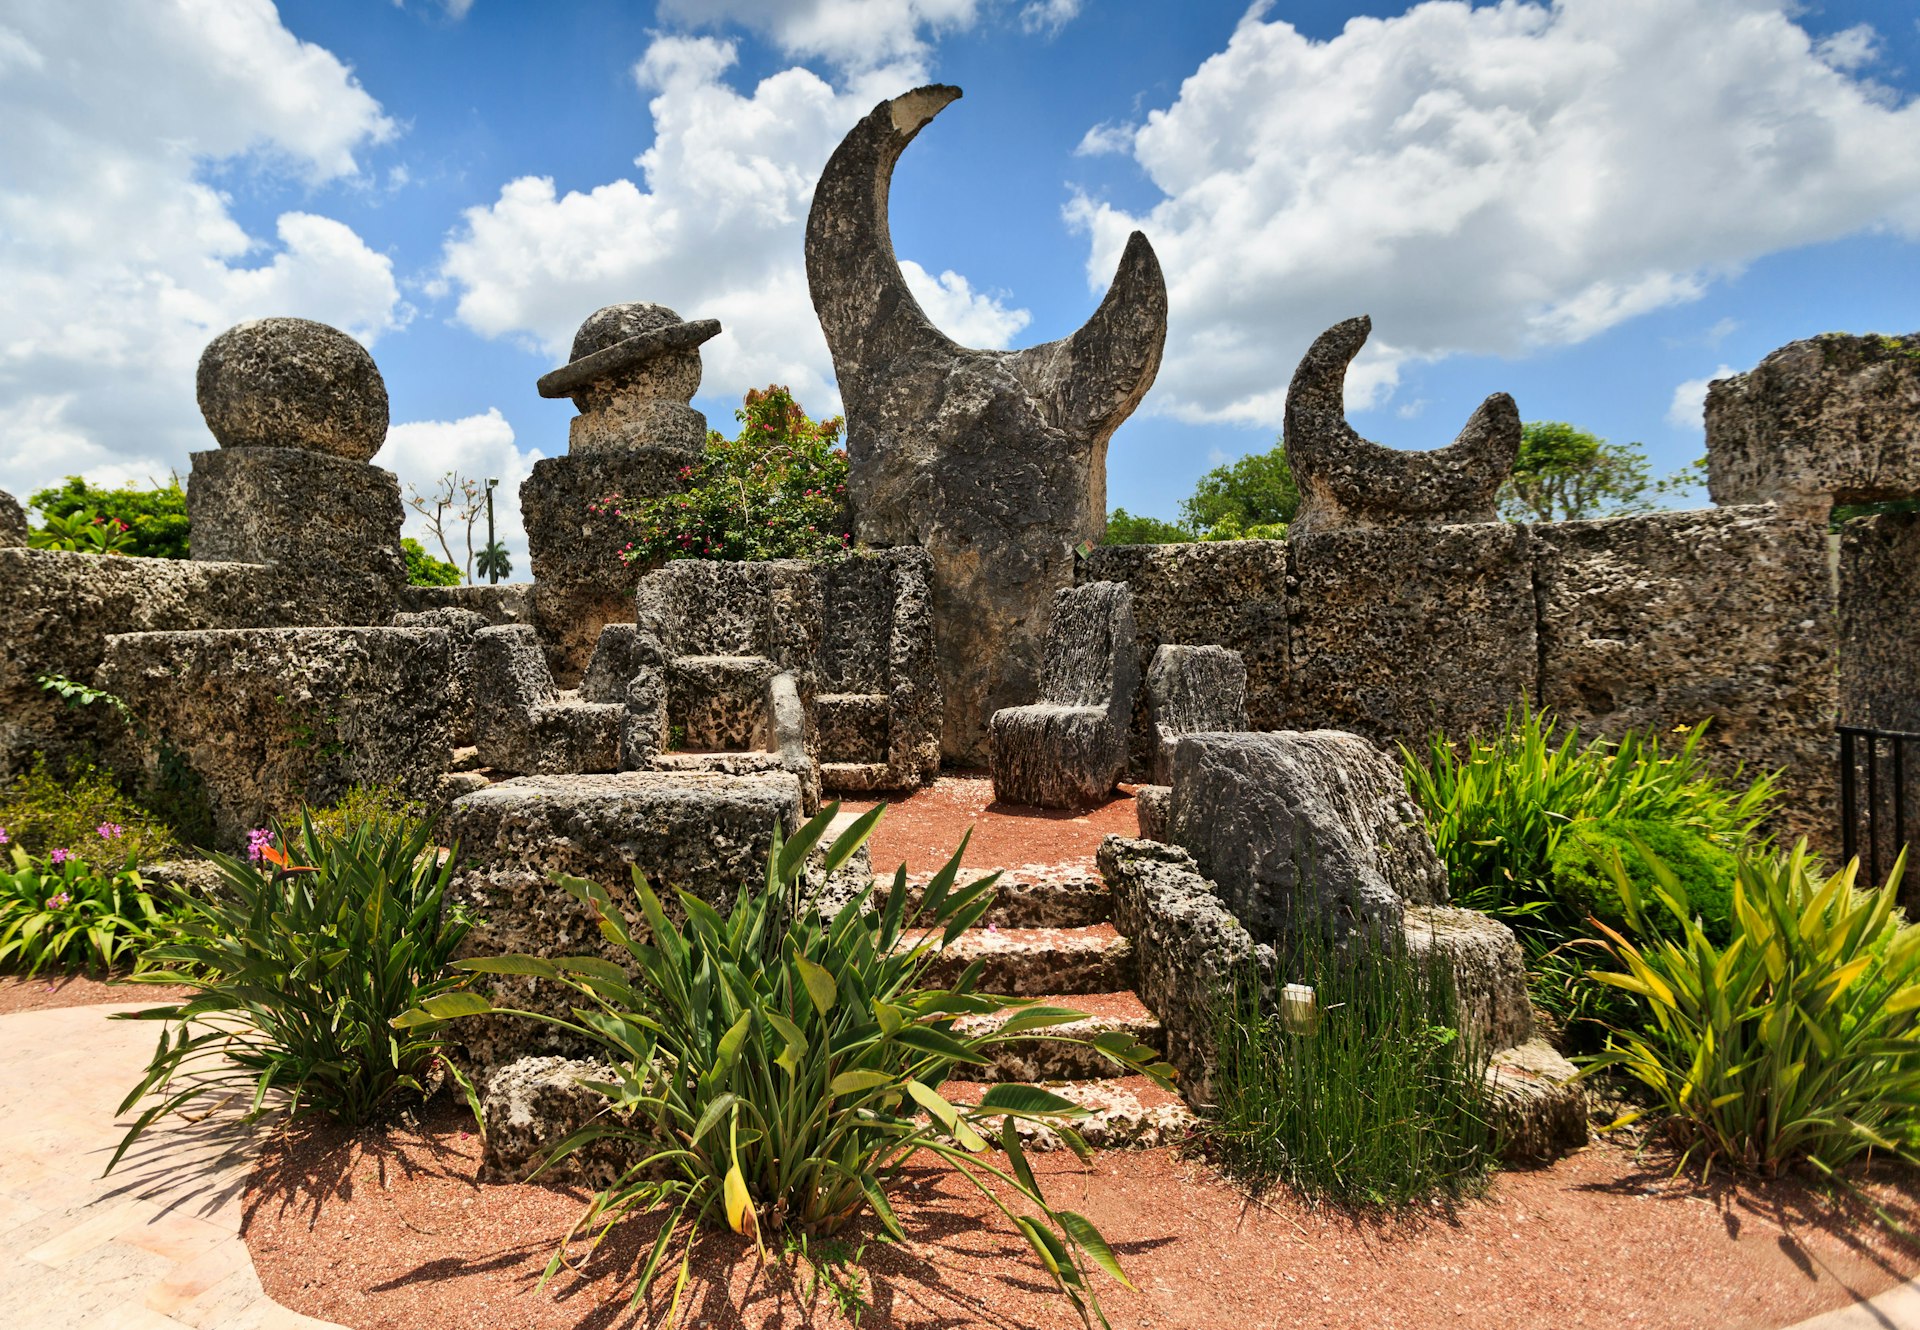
{"points": [[993, 461], [1348, 481]]}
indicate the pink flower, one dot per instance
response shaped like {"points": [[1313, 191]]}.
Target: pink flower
{"points": [[59, 856], [59, 901], [110, 830], [3, 835], [258, 840]]}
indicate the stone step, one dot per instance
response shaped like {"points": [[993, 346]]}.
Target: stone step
{"points": [[1028, 962], [1129, 1111], [1539, 1106], [1068, 895], [1049, 1059], [856, 777]]}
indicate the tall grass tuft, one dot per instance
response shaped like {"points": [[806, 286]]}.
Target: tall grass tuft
{"points": [[1503, 811], [1382, 1102]]}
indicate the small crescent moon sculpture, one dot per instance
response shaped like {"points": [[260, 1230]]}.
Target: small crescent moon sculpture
{"points": [[1348, 481], [994, 461]]}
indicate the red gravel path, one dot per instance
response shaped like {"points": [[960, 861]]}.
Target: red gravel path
{"points": [[19, 993], [394, 1234]]}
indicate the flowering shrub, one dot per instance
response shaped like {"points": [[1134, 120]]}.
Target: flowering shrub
{"points": [[778, 491], [55, 806], [59, 911]]}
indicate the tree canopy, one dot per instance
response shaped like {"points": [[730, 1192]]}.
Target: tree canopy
{"points": [[1563, 474], [1252, 498]]}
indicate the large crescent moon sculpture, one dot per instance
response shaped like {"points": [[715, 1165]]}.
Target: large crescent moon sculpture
{"points": [[1349, 481], [994, 461]]}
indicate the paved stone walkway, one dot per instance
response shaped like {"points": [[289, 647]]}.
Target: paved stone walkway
{"points": [[154, 1246]]}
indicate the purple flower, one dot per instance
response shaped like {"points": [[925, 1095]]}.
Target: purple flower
{"points": [[110, 830], [259, 839], [59, 901], [59, 856], [3, 835]]}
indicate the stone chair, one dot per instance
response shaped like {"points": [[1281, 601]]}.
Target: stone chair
{"points": [[1070, 749], [878, 708], [1192, 690], [524, 724]]}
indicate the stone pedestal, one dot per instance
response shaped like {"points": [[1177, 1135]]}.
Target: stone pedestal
{"points": [[332, 526]]}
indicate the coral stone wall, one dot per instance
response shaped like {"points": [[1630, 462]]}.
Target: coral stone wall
{"points": [[1880, 622], [1658, 620]]}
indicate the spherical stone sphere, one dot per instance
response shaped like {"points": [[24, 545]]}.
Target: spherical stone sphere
{"points": [[293, 383], [616, 323]]}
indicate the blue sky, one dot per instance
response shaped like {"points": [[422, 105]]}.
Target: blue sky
{"points": [[1595, 206]]}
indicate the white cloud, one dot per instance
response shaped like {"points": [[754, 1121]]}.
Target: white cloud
{"points": [[1688, 408], [479, 446], [1048, 16], [118, 260], [1850, 48], [1488, 179], [856, 35], [714, 229], [1105, 140]]}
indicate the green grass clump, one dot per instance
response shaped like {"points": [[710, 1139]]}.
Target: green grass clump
{"points": [[53, 806], [1384, 1103], [382, 809], [1507, 813], [299, 966], [1798, 1040]]}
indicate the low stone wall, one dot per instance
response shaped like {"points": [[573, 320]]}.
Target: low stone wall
{"points": [[507, 602], [258, 721], [62, 608], [1658, 620]]}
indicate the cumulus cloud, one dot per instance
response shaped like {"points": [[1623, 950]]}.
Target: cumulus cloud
{"points": [[714, 228], [1689, 406], [1048, 16], [420, 452], [119, 260], [856, 35], [1489, 179]]}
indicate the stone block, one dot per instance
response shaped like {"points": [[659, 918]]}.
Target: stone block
{"points": [[530, 1105], [702, 832], [523, 724], [1229, 593], [460, 626], [1539, 1109], [574, 543], [1724, 615], [618, 656], [720, 702], [1397, 633], [1192, 690], [1190, 953], [1302, 830], [1880, 622], [1049, 756], [332, 526], [266, 719], [1488, 968], [1832, 419], [506, 602], [853, 726], [62, 608], [13, 521]]}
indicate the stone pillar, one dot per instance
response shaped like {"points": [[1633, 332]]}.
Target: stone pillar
{"points": [[13, 520], [299, 410], [634, 370]]}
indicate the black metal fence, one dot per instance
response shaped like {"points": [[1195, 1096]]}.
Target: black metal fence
{"points": [[1878, 794]]}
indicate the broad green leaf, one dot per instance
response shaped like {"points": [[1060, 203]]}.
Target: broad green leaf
{"points": [[1028, 1099], [819, 984]]}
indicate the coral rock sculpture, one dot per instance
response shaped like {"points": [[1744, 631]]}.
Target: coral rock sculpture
{"points": [[993, 461], [1348, 481]]}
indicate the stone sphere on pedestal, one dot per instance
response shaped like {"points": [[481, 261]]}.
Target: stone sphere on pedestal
{"points": [[633, 372], [292, 383]]}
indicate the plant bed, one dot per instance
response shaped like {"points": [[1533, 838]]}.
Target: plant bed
{"points": [[18, 992], [393, 1232]]}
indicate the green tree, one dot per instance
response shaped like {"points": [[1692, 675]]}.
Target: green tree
{"points": [[1255, 491], [495, 564], [425, 570], [777, 491], [1123, 528], [1563, 474], [155, 518]]}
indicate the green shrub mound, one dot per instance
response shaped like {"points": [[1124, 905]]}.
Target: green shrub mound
{"points": [[63, 806], [1375, 1100], [776, 1068], [1584, 883], [1797, 1041]]}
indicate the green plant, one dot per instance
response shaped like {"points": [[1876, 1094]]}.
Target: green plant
{"points": [[425, 570], [61, 806], [1798, 1040], [1125, 528], [776, 1068], [58, 911], [299, 967], [778, 491], [834, 1266], [154, 520], [1374, 1098], [1500, 811], [384, 809], [1582, 869], [495, 564], [82, 532]]}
